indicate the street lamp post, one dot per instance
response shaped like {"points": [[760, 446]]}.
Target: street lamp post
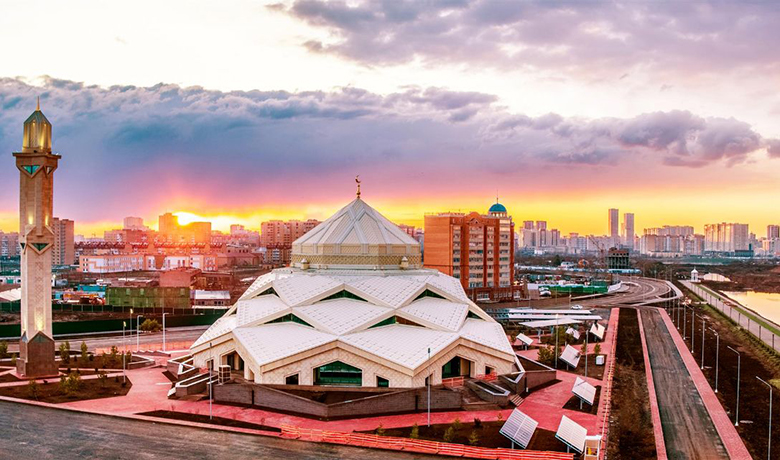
{"points": [[769, 440], [685, 321], [164, 330], [124, 352], [138, 333], [717, 356], [702, 342], [429, 388], [555, 328], [739, 374]]}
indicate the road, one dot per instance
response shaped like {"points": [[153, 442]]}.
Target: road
{"points": [[688, 430], [179, 334], [43, 433]]}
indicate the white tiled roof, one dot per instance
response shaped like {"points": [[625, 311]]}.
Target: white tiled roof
{"points": [[271, 342], [439, 312], [487, 333], [220, 327], [300, 290], [401, 344], [340, 316], [259, 308], [393, 291], [449, 285], [262, 283]]}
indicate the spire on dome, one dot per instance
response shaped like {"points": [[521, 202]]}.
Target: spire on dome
{"points": [[38, 104], [357, 180], [37, 131]]}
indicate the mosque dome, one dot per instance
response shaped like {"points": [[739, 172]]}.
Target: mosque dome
{"points": [[498, 207], [356, 237]]}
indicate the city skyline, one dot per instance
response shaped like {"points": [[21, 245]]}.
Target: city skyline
{"points": [[558, 107]]}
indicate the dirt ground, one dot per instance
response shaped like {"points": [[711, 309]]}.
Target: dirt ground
{"points": [[488, 436], [574, 403], [50, 392], [631, 431], [594, 371], [199, 418], [756, 360]]}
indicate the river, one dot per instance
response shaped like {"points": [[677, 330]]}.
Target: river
{"points": [[764, 303]]}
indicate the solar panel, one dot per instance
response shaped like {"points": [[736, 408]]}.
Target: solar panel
{"points": [[571, 434], [519, 428], [598, 330], [524, 339], [573, 332], [584, 390], [570, 356]]}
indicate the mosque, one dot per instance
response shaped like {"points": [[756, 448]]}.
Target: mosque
{"points": [[356, 308]]}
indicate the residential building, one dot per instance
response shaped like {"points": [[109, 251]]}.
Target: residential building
{"points": [[64, 244], [614, 226], [210, 299], [474, 248], [727, 237], [629, 233], [9, 244], [276, 232], [134, 223], [148, 297], [772, 231]]}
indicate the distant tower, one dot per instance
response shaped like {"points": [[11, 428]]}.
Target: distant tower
{"points": [[36, 164], [694, 276]]}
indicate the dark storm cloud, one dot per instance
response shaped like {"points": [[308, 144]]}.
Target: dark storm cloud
{"points": [[598, 37]]}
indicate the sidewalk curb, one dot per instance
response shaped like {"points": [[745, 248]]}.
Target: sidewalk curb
{"points": [[660, 442]]}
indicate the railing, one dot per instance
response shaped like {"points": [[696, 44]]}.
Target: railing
{"points": [[487, 377], [750, 320], [417, 445], [453, 382]]}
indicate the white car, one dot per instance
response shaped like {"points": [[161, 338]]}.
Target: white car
{"points": [[576, 307]]}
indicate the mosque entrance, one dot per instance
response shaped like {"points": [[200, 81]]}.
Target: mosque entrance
{"points": [[456, 367], [338, 373]]}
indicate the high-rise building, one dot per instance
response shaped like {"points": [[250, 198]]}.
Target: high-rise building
{"points": [[629, 233], [614, 226], [474, 248], [36, 164], [134, 223], [277, 232], [726, 237], [64, 244], [671, 230], [772, 231], [9, 244], [168, 225]]}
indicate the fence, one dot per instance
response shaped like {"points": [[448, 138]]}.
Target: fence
{"points": [[16, 306], [417, 445], [746, 318]]}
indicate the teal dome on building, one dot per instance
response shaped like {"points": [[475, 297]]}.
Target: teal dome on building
{"points": [[498, 207]]}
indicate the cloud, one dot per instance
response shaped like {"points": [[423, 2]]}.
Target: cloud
{"points": [[601, 38], [127, 144]]}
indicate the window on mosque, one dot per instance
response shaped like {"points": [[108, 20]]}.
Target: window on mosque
{"points": [[344, 295], [31, 169], [428, 293], [382, 382], [291, 379], [269, 291], [471, 314], [338, 373], [289, 318]]}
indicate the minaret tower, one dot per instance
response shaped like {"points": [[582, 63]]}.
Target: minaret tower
{"points": [[36, 164]]}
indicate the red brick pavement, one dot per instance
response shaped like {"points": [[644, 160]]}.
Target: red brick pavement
{"points": [[728, 433], [655, 413]]}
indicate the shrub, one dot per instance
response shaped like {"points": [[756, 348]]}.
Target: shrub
{"points": [[547, 355], [456, 424], [151, 325], [415, 433], [3, 349], [64, 353], [477, 423], [379, 431], [597, 349], [70, 384], [32, 389], [473, 438], [113, 357], [499, 417], [103, 379], [449, 435], [84, 352], [13, 360]]}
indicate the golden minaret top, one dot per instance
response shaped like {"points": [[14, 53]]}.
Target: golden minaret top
{"points": [[37, 132]]}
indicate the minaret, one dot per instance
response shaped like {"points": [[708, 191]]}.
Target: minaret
{"points": [[36, 164]]}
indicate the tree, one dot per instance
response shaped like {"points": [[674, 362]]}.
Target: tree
{"points": [[70, 384], [547, 355], [557, 261], [449, 435], [3, 349], [32, 389], [415, 433], [65, 353], [103, 379], [151, 325], [473, 438], [114, 356], [379, 431], [456, 424], [584, 349], [597, 349], [84, 353]]}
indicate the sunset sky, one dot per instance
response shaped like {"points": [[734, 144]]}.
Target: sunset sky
{"points": [[243, 111]]}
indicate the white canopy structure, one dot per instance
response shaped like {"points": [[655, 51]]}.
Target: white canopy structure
{"points": [[573, 332], [519, 428], [598, 330], [550, 323], [584, 390], [523, 339], [570, 356], [364, 314], [572, 434]]}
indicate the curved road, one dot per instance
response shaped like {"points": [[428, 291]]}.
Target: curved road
{"points": [[42, 433]]}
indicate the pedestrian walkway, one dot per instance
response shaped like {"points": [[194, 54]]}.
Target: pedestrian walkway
{"points": [[655, 414], [723, 424]]}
